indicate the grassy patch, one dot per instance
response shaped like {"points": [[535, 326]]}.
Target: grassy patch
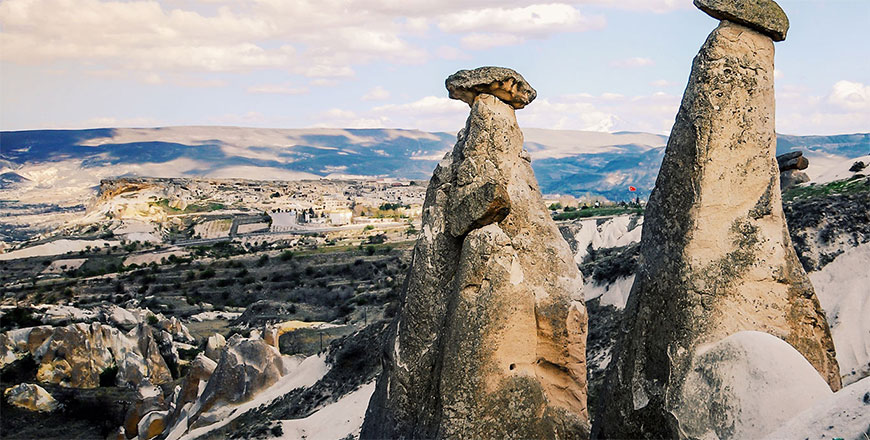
{"points": [[597, 212], [851, 186]]}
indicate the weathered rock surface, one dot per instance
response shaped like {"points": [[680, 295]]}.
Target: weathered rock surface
{"points": [[75, 356], [716, 257], [30, 397], [794, 160], [213, 346], [790, 166], [152, 424], [790, 178], [505, 84], [764, 16], [246, 366], [200, 371], [149, 399], [491, 339]]}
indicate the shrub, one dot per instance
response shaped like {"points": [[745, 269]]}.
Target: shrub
{"points": [[263, 260], [286, 256], [109, 376]]}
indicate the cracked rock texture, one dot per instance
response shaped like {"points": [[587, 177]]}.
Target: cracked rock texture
{"points": [[716, 257], [505, 84], [491, 339]]}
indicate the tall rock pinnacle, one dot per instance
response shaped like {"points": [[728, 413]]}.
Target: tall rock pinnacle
{"points": [[491, 339], [716, 254]]}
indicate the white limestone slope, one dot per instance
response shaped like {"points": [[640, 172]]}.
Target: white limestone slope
{"points": [[843, 288], [836, 169], [845, 415], [337, 420], [612, 294], [605, 233], [745, 386]]}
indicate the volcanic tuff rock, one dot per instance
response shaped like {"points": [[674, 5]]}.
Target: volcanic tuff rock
{"points": [[75, 356], [764, 16], [716, 257], [790, 166], [246, 366], [794, 160], [503, 83], [30, 397], [491, 339]]}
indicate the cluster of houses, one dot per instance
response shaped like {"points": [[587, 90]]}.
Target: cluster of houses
{"points": [[331, 211]]}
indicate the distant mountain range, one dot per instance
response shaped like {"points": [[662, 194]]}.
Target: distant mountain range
{"points": [[565, 162]]}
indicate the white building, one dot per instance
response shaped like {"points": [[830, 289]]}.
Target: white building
{"points": [[340, 216]]}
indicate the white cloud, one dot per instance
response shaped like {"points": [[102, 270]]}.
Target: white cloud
{"points": [[606, 112], [845, 108], [540, 19], [486, 41], [314, 38], [376, 94], [428, 113], [661, 83], [451, 53], [632, 62], [277, 89], [851, 96]]}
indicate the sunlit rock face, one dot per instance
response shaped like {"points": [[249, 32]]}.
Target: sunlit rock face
{"points": [[77, 355], [491, 339], [716, 257]]}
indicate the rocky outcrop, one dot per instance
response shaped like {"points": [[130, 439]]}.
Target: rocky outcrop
{"points": [[716, 257], [246, 367], [504, 84], [790, 166], [213, 346], [491, 339], [794, 160], [77, 355], [30, 397], [149, 399]]}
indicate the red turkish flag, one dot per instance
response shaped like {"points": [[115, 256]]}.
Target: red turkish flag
{"points": [[632, 189]]}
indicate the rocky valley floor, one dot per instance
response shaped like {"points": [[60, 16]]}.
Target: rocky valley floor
{"points": [[310, 323]]}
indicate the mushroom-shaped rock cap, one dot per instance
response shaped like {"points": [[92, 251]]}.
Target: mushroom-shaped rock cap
{"points": [[764, 16], [501, 82]]}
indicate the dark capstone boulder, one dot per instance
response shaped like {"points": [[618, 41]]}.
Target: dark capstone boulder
{"points": [[503, 83], [794, 160], [764, 16]]}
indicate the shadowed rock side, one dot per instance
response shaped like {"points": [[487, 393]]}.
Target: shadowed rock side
{"points": [[491, 339], [716, 257]]}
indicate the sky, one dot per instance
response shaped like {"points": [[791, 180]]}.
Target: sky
{"points": [[601, 65]]}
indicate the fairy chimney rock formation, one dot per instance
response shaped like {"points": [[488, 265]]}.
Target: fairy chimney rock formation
{"points": [[716, 257], [491, 339]]}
